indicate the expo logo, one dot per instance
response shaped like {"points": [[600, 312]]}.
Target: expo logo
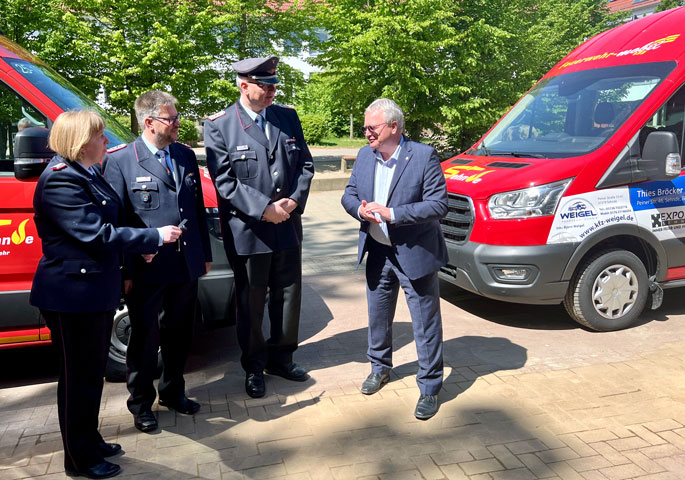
{"points": [[18, 236]]}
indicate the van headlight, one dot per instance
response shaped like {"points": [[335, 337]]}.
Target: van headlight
{"points": [[530, 202]]}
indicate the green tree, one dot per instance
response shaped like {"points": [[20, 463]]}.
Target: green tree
{"points": [[122, 48], [454, 67], [668, 4]]}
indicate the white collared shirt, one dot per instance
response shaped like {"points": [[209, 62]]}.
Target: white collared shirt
{"points": [[384, 171]]}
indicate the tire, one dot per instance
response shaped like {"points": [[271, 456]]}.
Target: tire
{"points": [[609, 291], [121, 332]]}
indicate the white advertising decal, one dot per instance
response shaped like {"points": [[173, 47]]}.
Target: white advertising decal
{"points": [[655, 206]]}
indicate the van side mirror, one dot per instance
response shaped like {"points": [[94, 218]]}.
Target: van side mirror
{"points": [[31, 152], [660, 156]]}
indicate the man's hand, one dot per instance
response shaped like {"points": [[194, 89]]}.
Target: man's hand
{"points": [[128, 284], [288, 204], [275, 213], [381, 210], [208, 267], [148, 257], [171, 233], [366, 214]]}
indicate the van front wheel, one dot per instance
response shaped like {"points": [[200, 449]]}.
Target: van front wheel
{"points": [[608, 291]]}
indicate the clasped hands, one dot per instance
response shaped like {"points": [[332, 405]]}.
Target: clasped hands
{"points": [[279, 211], [368, 212]]}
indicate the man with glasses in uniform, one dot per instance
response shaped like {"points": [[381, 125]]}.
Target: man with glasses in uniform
{"points": [[159, 182], [262, 169]]}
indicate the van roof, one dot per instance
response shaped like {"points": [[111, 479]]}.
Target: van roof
{"points": [[654, 38], [9, 49]]}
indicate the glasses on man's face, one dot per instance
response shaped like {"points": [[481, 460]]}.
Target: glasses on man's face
{"points": [[372, 129], [169, 120], [264, 86]]}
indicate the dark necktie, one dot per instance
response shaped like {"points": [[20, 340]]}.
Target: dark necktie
{"points": [[166, 163], [259, 120]]}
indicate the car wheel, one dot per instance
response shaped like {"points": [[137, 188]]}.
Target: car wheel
{"points": [[609, 291], [121, 333]]}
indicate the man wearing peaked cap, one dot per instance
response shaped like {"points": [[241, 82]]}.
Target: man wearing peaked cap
{"points": [[262, 170]]}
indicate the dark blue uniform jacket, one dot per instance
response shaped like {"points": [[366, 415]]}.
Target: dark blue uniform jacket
{"points": [[152, 199], [76, 215], [251, 171]]}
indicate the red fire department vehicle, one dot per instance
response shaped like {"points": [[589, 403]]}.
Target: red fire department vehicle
{"points": [[31, 96], [576, 195]]}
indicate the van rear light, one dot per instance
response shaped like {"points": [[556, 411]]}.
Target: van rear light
{"points": [[537, 201], [672, 164]]}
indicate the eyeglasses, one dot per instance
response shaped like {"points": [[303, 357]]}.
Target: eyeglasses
{"points": [[169, 120], [264, 86], [372, 129]]}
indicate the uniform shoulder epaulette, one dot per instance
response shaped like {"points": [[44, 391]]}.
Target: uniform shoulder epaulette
{"points": [[116, 148], [217, 115], [185, 145], [59, 166], [289, 107]]}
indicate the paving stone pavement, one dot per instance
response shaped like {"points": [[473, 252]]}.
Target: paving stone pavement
{"points": [[527, 395]]}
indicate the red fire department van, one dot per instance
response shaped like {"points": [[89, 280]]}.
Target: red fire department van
{"points": [[576, 194], [31, 96]]}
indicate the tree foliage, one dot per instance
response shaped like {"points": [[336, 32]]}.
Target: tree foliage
{"points": [[668, 4], [454, 67], [122, 48]]}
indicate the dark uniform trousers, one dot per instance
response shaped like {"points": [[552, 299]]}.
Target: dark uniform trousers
{"points": [[281, 273], [169, 283], [251, 170], [82, 340], [172, 333]]}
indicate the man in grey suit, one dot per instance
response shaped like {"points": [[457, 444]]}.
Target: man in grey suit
{"points": [[397, 190], [159, 182], [262, 169]]}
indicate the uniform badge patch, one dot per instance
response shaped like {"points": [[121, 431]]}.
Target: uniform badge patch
{"points": [[291, 140], [59, 166], [217, 115], [143, 179], [116, 148]]}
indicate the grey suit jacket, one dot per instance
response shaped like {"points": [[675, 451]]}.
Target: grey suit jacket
{"points": [[418, 196]]}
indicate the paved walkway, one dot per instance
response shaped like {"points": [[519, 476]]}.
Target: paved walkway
{"points": [[527, 395]]}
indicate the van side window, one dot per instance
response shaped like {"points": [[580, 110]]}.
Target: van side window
{"points": [[15, 115], [670, 118]]}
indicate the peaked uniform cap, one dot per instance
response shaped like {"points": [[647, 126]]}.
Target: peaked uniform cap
{"points": [[261, 69]]}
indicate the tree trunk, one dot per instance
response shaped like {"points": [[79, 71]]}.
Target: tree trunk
{"points": [[351, 125]]}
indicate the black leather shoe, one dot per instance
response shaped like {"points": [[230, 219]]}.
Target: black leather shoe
{"points": [[101, 470], [374, 382], [289, 371], [145, 421], [109, 449], [426, 407], [254, 385], [181, 405]]}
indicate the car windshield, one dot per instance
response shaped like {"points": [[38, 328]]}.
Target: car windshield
{"points": [[572, 114], [65, 96]]}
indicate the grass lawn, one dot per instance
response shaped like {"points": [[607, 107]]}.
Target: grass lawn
{"points": [[341, 142]]}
